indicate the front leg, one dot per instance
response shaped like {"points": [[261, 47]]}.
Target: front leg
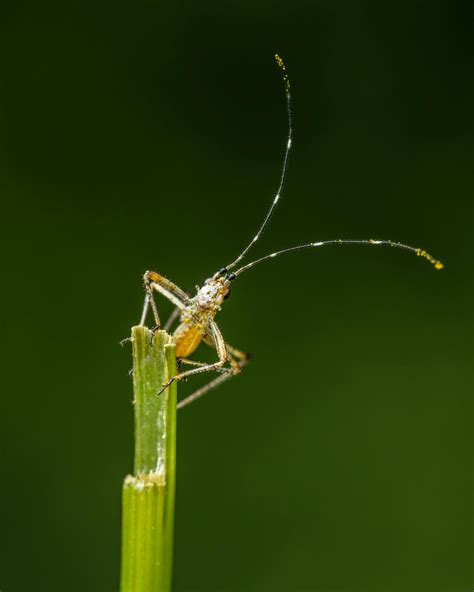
{"points": [[213, 333], [155, 281]]}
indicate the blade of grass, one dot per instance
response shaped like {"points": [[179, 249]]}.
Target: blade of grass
{"points": [[148, 494]]}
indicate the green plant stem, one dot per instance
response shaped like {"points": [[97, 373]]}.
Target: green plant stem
{"points": [[148, 494]]}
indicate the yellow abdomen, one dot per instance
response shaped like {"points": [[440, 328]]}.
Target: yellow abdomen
{"points": [[186, 338]]}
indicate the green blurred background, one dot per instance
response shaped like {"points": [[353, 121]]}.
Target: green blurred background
{"points": [[150, 136]]}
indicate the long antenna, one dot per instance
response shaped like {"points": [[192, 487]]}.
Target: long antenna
{"points": [[419, 252], [286, 81]]}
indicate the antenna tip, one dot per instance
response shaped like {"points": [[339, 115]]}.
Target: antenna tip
{"points": [[281, 65], [437, 264]]}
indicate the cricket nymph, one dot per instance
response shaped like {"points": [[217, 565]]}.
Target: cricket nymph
{"points": [[196, 314]]}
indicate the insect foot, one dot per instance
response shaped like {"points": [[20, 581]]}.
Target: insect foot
{"points": [[153, 333], [165, 386]]}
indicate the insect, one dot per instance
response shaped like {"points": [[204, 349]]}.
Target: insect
{"points": [[197, 313]]}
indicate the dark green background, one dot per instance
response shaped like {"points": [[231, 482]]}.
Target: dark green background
{"points": [[150, 136]]}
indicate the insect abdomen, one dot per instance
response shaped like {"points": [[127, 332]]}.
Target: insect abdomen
{"points": [[186, 338]]}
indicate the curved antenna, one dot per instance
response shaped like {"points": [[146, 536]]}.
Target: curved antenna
{"points": [[265, 222], [419, 252]]}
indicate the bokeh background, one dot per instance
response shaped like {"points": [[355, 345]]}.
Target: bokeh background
{"points": [[150, 136]]}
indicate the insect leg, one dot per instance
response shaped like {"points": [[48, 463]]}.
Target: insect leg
{"points": [[146, 304], [162, 284], [216, 336], [192, 362], [149, 301], [237, 353], [203, 390], [236, 366], [155, 281], [188, 362], [233, 351]]}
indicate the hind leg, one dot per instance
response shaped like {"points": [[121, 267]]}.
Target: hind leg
{"points": [[237, 360]]}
